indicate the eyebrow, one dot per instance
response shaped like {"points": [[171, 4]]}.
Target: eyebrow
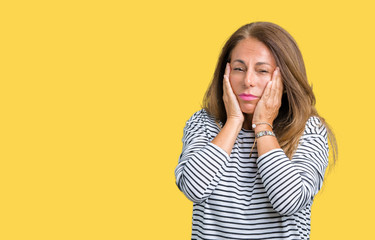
{"points": [[257, 64]]}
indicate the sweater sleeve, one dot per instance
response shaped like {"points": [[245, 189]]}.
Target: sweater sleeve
{"points": [[292, 184], [201, 163]]}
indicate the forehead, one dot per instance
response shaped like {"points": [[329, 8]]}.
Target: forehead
{"points": [[251, 49]]}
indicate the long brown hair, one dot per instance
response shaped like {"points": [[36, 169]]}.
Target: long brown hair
{"points": [[298, 100]]}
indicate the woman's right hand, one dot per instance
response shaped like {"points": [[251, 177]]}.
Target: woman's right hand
{"points": [[232, 106], [227, 136]]}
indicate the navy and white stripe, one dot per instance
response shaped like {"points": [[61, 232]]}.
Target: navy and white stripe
{"points": [[237, 197]]}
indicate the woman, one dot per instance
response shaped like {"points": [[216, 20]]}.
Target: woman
{"points": [[255, 156]]}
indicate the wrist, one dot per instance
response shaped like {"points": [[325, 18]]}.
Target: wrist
{"points": [[262, 127], [261, 123], [236, 120], [235, 123]]}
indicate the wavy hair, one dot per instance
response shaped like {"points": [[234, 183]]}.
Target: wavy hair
{"points": [[298, 100]]}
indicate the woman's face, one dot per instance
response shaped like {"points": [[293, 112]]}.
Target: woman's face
{"points": [[252, 65]]}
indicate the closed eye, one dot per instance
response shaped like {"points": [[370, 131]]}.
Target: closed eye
{"points": [[238, 69]]}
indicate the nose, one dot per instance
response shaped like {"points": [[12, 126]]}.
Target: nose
{"points": [[249, 80]]}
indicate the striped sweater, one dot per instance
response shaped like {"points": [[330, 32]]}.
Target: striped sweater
{"points": [[238, 197]]}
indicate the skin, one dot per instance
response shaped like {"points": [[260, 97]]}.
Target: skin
{"points": [[252, 70]]}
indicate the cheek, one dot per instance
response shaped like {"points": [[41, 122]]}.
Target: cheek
{"points": [[236, 85]]}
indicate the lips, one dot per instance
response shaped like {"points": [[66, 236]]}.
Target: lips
{"points": [[248, 97]]}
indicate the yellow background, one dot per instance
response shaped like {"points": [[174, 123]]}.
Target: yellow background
{"points": [[95, 95]]}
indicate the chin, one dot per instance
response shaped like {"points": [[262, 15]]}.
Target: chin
{"points": [[248, 109]]}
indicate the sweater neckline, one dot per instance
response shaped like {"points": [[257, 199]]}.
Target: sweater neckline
{"points": [[246, 130]]}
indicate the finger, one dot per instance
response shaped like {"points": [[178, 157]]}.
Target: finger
{"points": [[226, 85], [278, 79], [267, 90], [227, 70], [226, 74], [226, 81], [275, 73], [274, 89], [278, 85]]}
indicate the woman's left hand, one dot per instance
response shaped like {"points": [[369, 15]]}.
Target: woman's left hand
{"points": [[268, 106]]}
